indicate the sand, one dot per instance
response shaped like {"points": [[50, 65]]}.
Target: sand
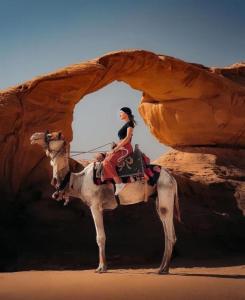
{"points": [[183, 283]]}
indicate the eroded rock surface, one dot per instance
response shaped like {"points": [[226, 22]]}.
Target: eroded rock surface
{"points": [[209, 167], [211, 182], [199, 111], [182, 103]]}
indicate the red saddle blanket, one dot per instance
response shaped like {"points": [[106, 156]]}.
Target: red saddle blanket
{"points": [[151, 173]]}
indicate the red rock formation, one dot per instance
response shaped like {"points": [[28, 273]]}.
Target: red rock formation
{"points": [[182, 103], [195, 105], [219, 172], [185, 105], [211, 182]]}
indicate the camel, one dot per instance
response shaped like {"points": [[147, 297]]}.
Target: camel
{"points": [[101, 197]]}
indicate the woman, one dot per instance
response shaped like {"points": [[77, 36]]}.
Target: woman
{"points": [[122, 149]]}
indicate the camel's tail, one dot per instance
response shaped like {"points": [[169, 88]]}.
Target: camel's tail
{"points": [[176, 204]]}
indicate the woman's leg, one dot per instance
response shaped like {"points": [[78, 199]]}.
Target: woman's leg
{"points": [[110, 169], [110, 162]]}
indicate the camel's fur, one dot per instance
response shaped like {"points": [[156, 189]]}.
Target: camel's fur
{"points": [[100, 197]]}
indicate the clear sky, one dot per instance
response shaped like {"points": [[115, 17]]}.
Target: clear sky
{"points": [[40, 36]]}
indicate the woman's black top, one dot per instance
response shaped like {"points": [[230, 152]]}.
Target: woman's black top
{"points": [[122, 133]]}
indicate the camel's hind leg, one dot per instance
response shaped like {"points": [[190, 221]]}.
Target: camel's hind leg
{"points": [[165, 207], [169, 243]]}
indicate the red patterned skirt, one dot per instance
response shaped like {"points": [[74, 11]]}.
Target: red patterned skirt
{"points": [[111, 160]]}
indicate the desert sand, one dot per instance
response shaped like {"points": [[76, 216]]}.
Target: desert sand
{"points": [[183, 283]]}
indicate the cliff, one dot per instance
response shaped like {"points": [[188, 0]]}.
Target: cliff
{"points": [[199, 111]]}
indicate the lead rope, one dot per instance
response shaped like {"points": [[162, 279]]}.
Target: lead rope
{"points": [[89, 151]]}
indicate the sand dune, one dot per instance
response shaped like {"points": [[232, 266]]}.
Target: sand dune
{"points": [[144, 284]]}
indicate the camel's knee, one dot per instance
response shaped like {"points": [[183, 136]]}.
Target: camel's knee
{"points": [[163, 210], [54, 182], [100, 240]]}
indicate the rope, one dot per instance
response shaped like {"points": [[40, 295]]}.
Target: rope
{"points": [[89, 151]]}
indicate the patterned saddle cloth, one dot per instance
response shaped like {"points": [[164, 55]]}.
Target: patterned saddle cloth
{"points": [[135, 166]]}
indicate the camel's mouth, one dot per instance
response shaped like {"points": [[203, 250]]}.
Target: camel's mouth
{"points": [[33, 140], [36, 138]]}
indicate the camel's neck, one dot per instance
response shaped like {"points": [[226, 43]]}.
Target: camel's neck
{"points": [[75, 166]]}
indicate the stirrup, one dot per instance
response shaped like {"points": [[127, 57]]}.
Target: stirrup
{"points": [[119, 187]]}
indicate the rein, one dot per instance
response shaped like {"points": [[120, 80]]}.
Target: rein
{"points": [[53, 154], [89, 151], [48, 140], [54, 151], [66, 178], [57, 152]]}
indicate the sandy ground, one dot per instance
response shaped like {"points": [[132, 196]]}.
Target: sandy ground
{"points": [[183, 283]]}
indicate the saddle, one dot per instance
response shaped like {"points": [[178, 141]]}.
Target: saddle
{"points": [[134, 167]]}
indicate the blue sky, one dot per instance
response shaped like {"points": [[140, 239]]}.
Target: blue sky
{"points": [[41, 36]]}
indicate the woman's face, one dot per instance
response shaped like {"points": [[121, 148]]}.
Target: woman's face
{"points": [[123, 115]]}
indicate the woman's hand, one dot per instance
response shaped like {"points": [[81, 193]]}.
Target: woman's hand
{"points": [[113, 150], [109, 152]]}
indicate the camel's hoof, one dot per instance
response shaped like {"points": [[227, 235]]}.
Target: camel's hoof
{"points": [[163, 272], [55, 195], [66, 202], [101, 269]]}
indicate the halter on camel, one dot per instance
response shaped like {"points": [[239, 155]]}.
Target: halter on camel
{"points": [[61, 179], [99, 197]]}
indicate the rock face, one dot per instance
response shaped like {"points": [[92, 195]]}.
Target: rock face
{"points": [[215, 168], [199, 111], [211, 183], [195, 105], [182, 103]]}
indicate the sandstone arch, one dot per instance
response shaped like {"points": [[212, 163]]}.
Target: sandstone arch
{"points": [[183, 104], [197, 110]]}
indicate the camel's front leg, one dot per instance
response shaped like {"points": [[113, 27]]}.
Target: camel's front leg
{"points": [[97, 214]]}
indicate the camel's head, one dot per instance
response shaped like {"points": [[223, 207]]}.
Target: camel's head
{"points": [[54, 145], [51, 141]]}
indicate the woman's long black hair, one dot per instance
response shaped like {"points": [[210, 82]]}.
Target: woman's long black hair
{"points": [[131, 118]]}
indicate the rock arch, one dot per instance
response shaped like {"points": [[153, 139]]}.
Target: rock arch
{"points": [[184, 104], [197, 110]]}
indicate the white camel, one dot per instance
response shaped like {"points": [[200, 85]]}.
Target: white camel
{"points": [[101, 197]]}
